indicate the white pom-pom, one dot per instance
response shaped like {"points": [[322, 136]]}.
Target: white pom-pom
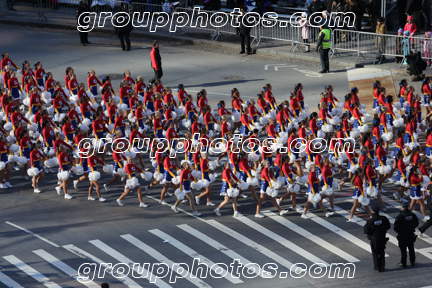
{"points": [[253, 157], [121, 172], [232, 192], [147, 176], [252, 182], [384, 170], [87, 122], [158, 176], [14, 148], [123, 107], [12, 158], [372, 192], [84, 128], [131, 118], [363, 200], [398, 122], [308, 164], [301, 180], [175, 180], [397, 105], [353, 168], [33, 127], [212, 177], [404, 183], [26, 102], [130, 154], [186, 123], [364, 128], [243, 185], [320, 134], [108, 168], [272, 192], [264, 120], [131, 183], [355, 133], [2, 165], [335, 185], [387, 136], [78, 170], [336, 112], [180, 111], [294, 188], [196, 185], [63, 176], [336, 120], [236, 116], [328, 191], [52, 162], [32, 171], [8, 126], [73, 98], [94, 176], [426, 181], [196, 174], [366, 118], [21, 160], [179, 194], [204, 183], [314, 198]]}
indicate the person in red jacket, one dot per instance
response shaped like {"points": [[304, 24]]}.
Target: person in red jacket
{"points": [[156, 62], [131, 169]]}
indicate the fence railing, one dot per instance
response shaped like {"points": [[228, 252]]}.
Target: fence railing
{"points": [[350, 41]]}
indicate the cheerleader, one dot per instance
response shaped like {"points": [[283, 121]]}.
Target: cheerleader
{"points": [[323, 115], [129, 81], [426, 90], [246, 124], [35, 157], [209, 120], [6, 61], [376, 86], [131, 169], [287, 172], [148, 99], [69, 72], [410, 130], [409, 96], [245, 172], [64, 159], [202, 101], [222, 110], [119, 123], [168, 175], [357, 182], [295, 104], [271, 101], [29, 85], [227, 177], [169, 99], [357, 116], [382, 97], [298, 88], [40, 74], [331, 98], [26, 73], [294, 144], [369, 144], [106, 82], [262, 103], [50, 83], [159, 106], [92, 161], [99, 130], [92, 82], [266, 179], [314, 188], [253, 112], [271, 130], [134, 139], [158, 125], [118, 158], [73, 116], [181, 94], [381, 160], [351, 157], [205, 170], [190, 108], [25, 148], [354, 93], [124, 95], [371, 181], [14, 88], [417, 110], [313, 125], [4, 154], [73, 85], [415, 178], [6, 76], [401, 177], [195, 127], [158, 86], [254, 145], [86, 108], [376, 134], [185, 178], [58, 87], [327, 180], [402, 87]]}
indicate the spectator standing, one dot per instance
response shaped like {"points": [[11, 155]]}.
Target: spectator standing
{"points": [[411, 27], [427, 47], [359, 12], [315, 7], [244, 34], [323, 47], [123, 32], [405, 225], [399, 50], [156, 62], [83, 8], [376, 229], [380, 41], [304, 23]]}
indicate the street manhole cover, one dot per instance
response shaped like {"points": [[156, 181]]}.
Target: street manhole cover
{"points": [[113, 76], [234, 78]]}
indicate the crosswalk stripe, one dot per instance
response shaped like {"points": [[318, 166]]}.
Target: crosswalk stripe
{"points": [[219, 246], [63, 267], [258, 247], [317, 240], [83, 254], [161, 258], [348, 236], [31, 272], [192, 253], [288, 244], [123, 259], [8, 281]]}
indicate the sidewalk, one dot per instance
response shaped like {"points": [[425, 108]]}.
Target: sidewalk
{"points": [[279, 49]]}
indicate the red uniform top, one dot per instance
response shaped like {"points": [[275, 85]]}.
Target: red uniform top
{"points": [[323, 114], [68, 128], [58, 103], [73, 115], [253, 111], [327, 172], [381, 99], [93, 160], [375, 93], [169, 99], [158, 89], [168, 165], [59, 142], [347, 106], [295, 104], [148, 97], [13, 83], [108, 85], [157, 124], [133, 103], [106, 97], [228, 175], [181, 94], [72, 85], [92, 81], [46, 118], [135, 135], [245, 166], [130, 82], [189, 107], [204, 140], [86, 107], [280, 118], [416, 179], [302, 132], [234, 159], [6, 77], [271, 131], [410, 99], [64, 159], [287, 170], [300, 95], [245, 120], [204, 165], [25, 75], [313, 179], [49, 84], [402, 167], [118, 157], [269, 97], [265, 175], [362, 160], [139, 113], [224, 129], [123, 93], [119, 122], [7, 61], [208, 119], [237, 104], [357, 115], [171, 134], [185, 175], [195, 128], [380, 153], [40, 73], [358, 183], [223, 111], [99, 126], [131, 168], [313, 125], [424, 170], [35, 156], [78, 139], [82, 93], [376, 132], [426, 89], [158, 104], [370, 173], [263, 104], [17, 116]]}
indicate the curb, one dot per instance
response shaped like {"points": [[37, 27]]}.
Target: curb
{"points": [[189, 41]]}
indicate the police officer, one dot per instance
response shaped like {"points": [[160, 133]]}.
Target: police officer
{"points": [[376, 229], [405, 225], [244, 34], [323, 47]]}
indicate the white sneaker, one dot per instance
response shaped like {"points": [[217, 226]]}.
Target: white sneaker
{"points": [[16, 168], [174, 208], [37, 190], [25, 178], [59, 182], [163, 202], [51, 171], [420, 234], [146, 189], [106, 187], [243, 196], [283, 212], [91, 198], [324, 200], [426, 218], [278, 201], [119, 202], [2, 186], [352, 220], [390, 180], [184, 201], [304, 216], [196, 213], [68, 196], [259, 215], [102, 199], [58, 190], [382, 191], [8, 184], [169, 194], [237, 214], [210, 204], [298, 209], [143, 205], [328, 214], [217, 212], [396, 195], [75, 183], [197, 200]]}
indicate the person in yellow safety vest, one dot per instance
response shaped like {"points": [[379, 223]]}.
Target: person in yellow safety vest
{"points": [[323, 47]]}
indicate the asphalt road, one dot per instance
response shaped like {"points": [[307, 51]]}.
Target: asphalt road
{"points": [[79, 231]]}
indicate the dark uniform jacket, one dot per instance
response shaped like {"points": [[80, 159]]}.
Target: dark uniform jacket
{"points": [[406, 223], [377, 226]]}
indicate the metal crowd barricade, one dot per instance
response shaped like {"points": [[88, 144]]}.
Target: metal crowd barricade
{"points": [[200, 20]]}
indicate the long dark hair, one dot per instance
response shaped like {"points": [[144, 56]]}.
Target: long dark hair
{"points": [[356, 174], [413, 169]]}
